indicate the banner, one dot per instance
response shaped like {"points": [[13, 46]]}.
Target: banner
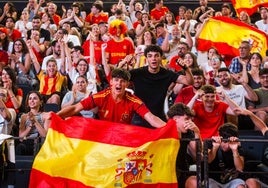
{"points": [[250, 6], [80, 152], [226, 34]]}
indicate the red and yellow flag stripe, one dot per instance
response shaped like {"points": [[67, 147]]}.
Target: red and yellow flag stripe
{"points": [[226, 34], [249, 6], [81, 152]]}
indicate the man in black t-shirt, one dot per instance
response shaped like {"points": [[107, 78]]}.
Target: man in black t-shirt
{"points": [[151, 83]]}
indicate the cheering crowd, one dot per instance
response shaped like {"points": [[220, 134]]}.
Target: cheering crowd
{"points": [[136, 65]]}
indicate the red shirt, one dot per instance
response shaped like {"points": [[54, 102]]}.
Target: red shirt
{"points": [[119, 50], [109, 110], [157, 14], [56, 18], [3, 57], [185, 95], [103, 17], [209, 122], [97, 50], [16, 34], [9, 103]]}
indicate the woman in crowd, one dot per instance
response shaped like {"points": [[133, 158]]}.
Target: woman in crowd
{"points": [[252, 76], [20, 61], [146, 24], [53, 81], [211, 76], [24, 24], [32, 124], [73, 16], [88, 70], [48, 23], [170, 21], [14, 94], [210, 54], [9, 10], [79, 92], [38, 48], [146, 39], [5, 43]]}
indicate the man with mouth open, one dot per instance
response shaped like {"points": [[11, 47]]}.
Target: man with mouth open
{"points": [[114, 103], [152, 82]]}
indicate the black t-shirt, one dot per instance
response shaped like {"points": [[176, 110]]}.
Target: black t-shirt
{"points": [[184, 160], [152, 88], [225, 161]]}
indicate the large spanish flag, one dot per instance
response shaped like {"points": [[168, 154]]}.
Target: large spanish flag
{"points": [[80, 152], [250, 6], [226, 34]]}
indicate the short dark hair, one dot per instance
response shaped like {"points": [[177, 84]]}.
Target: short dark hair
{"points": [[161, 24], [228, 130], [179, 109], [36, 17], [121, 73], [98, 6], [263, 71], [9, 17], [118, 12], [153, 48], [222, 69], [208, 89], [197, 72], [78, 48]]}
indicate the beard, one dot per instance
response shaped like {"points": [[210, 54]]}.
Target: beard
{"points": [[225, 83]]}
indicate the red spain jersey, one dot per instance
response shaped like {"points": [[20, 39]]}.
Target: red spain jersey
{"points": [[157, 14], [109, 110], [50, 85], [103, 17], [119, 50], [97, 50]]}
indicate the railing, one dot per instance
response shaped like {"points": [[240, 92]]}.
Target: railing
{"points": [[202, 156]]}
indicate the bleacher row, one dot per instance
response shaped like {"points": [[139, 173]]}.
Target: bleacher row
{"points": [[252, 141]]}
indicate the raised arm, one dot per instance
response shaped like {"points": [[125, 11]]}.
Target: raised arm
{"points": [[35, 62], [255, 119], [250, 93], [70, 110]]}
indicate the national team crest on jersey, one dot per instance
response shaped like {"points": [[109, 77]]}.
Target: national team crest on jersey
{"points": [[125, 117], [136, 169]]}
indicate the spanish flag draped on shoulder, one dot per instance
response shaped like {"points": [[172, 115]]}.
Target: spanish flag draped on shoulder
{"points": [[226, 34], [249, 6], [80, 152]]}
